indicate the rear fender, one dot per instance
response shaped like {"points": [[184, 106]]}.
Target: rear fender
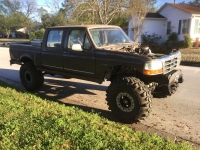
{"points": [[26, 58]]}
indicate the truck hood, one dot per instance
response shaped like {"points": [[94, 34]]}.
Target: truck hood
{"points": [[152, 52]]}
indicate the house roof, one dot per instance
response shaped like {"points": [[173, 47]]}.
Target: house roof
{"points": [[154, 15], [151, 15], [191, 9]]}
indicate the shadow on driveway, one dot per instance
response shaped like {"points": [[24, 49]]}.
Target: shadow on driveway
{"points": [[57, 89]]}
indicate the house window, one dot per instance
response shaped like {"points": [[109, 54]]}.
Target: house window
{"points": [[197, 26], [185, 27], [168, 27]]}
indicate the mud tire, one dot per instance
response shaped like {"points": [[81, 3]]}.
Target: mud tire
{"points": [[31, 78], [129, 99]]}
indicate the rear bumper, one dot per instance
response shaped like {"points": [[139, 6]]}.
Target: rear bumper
{"points": [[14, 61]]}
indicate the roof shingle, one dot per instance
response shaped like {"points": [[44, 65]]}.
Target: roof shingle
{"points": [[154, 15], [187, 8]]}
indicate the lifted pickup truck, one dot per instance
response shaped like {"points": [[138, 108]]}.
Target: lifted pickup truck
{"points": [[98, 53]]}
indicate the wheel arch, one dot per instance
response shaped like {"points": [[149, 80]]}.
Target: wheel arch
{"points": [[118, 70], [25, 58]]}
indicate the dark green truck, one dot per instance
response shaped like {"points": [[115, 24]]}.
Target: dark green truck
{"points": [[98, 53]]}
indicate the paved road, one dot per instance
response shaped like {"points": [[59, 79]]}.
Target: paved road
{"points": [[176, 117]]}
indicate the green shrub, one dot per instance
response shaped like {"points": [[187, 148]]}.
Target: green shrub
{"points": [[32, 36], [150, 38], [196, 43], [173, 41], [178, 44], [187, 41], [37, 34], [173, 37]]}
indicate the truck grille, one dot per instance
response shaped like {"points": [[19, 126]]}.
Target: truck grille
{"points": [[170, 65]]}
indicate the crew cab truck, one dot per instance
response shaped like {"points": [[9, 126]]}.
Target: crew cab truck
{"points": [[98, 53]]}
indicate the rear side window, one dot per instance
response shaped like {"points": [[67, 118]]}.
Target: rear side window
{"points": [[54, 38]]}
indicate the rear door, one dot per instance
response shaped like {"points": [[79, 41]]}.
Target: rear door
{"points": [[80, 63], [52, 51]]}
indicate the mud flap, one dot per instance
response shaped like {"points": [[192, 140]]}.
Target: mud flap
{"points": [[170, 84], [174, 79]]}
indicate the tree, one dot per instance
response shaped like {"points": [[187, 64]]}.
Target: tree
{"points": [[8, 10], [53, 6], [194, 2], [37, 34], [28, 8], [138, 10], [55, 16], [15, 14], [120, 20], [58, 19], [100, 11]]}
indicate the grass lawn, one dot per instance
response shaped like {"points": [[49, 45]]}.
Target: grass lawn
{"points": [[190, 57], [30, 122], [13, 40]]}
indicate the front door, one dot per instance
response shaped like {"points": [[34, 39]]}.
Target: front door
{"points": [[80, 63]]}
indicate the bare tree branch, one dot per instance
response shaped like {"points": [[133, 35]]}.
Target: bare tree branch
{"points": [[28, 7], [139, 9], [102, 10], [53, 5]]}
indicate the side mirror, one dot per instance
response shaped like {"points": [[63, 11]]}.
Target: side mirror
{"points": [[77, 47]]}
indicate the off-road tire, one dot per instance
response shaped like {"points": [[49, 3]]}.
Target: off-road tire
{"points": [[129, 99], [31, 78]]}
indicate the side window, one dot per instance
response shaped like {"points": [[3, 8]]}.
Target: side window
{"points": [[54, 38], [76, 37], [87, 44]]}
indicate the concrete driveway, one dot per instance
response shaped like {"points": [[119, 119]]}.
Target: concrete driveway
{"points": [[175, 117]]}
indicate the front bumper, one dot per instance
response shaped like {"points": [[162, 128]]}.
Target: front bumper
{"points": [[175, 76]]}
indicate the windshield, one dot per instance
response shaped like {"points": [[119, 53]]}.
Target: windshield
{"points": [[108, 36]]}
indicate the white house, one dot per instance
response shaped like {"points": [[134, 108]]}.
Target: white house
{"points": [[153, 23], [180, 18]]}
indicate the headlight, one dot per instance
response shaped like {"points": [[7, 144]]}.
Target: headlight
{"points": [[153, 67]]}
